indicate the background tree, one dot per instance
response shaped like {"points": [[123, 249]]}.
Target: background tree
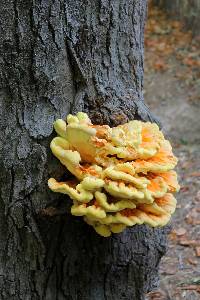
{"points": [[57, 57], [185, 10]]}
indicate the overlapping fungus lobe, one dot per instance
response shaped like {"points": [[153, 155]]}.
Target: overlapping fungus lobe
{"points": [[96, 204], [122, 175], [102, 131], [98, 142], [93, 202], [88, 169], [128, 212], [71, 183], [155, 186], [170, 178], [167, 201], [148, 139]]}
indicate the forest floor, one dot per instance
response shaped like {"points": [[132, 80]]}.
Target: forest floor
{"points": [[172, 90]]}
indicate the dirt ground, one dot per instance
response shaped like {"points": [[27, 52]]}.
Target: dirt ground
{"points": [[172, 90]]}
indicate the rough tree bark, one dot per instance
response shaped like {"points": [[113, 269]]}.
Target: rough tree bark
{"points": [[57, 57]]}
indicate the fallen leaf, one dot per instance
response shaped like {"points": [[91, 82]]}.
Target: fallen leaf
{"points": [[180, 231], [156, 295], [195, 222], [191, 62], [169, 270], [184, 188], [193, 243], [176, 24], [193, 217], [173, 236], [197, 249], [186, 164], [160, 65], [195, 174], [191, 288], [192, 221], [198, 196], [192, 261], [194, 98], [190, 281]]}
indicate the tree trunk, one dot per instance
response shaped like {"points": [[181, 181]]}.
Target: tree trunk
{"points": [[57, 57], [186, 10]]}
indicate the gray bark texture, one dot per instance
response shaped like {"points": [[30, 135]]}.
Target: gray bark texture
{"points": [[186, 10], [56, 57]]}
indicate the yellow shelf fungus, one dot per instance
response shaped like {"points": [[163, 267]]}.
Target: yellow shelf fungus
{"points": [[123, 176]]}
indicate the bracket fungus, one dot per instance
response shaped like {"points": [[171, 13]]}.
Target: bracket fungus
{"points": [[122, 176]]}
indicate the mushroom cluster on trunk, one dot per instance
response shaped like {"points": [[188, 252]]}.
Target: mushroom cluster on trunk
{"points": [[122, 176]]}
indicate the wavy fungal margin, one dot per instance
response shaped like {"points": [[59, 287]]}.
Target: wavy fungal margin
{"points": [[123, 176]]}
